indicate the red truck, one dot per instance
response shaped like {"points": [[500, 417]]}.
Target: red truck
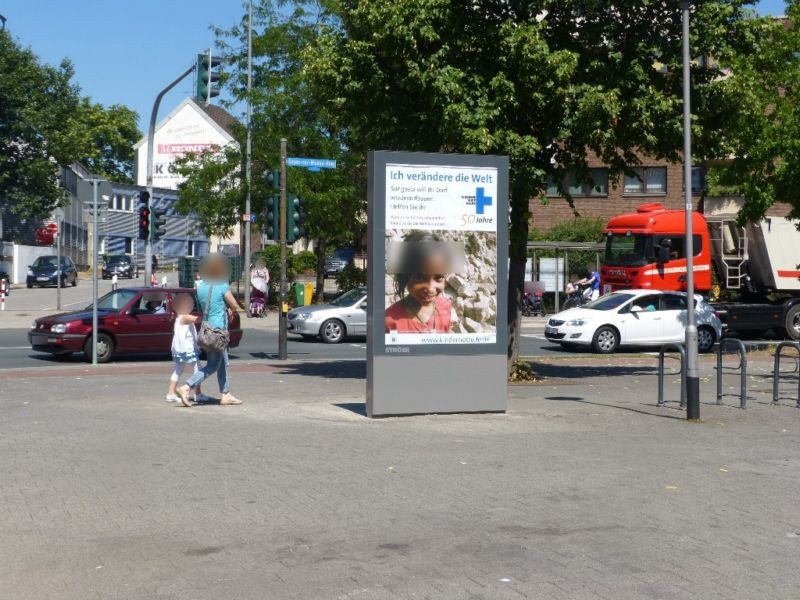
{"points": [[646, 249]]}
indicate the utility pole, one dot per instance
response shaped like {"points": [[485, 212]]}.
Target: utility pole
{"points": [[282, 353], [249, 165], [95, 209], [692, 369], [59, 218], [151, 134]]}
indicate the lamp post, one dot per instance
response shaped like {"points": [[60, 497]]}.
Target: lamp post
{"points": [[692, 370], [249, 160], [2, 23]]}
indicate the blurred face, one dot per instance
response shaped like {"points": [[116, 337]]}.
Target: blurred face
{"points": [[424, 287], [183, 305]]}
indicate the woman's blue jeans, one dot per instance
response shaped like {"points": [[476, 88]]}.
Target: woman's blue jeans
{"points": [[215, 361]]}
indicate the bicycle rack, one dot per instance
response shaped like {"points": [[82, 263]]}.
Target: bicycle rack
{"points": [[741, 350], [682, 357], [776, 373]]}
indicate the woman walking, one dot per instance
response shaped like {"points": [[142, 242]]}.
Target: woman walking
{"points": [[218, 305]]}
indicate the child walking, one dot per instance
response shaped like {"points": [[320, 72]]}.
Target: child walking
{"points": [[184, 344]]}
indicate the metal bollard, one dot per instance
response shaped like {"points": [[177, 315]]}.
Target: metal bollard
{"points": [[2, 294], [114, 282], [661, 354], [776, 373], [742, 352]]}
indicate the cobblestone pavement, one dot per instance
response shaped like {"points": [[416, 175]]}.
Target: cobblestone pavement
{"points": [[585, 489]]}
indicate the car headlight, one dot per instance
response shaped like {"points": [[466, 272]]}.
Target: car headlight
{"points": [[576, 323], [303, 316], [34, 325], [30, 272], [58, 328]]}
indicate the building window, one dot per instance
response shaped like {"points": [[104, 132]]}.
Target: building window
{"points": [[128, 245], [594, 184], [646, 181], [121, 202], [190, 248], [698, 180]]}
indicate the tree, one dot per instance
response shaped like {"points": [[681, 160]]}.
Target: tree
{"points": [[44, 123], [543, 82], [283, 107]]}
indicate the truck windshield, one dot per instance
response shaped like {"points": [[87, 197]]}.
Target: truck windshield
{"points": [[624, 250]]}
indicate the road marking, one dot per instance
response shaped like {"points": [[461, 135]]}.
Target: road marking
{"points": [[15, 347], [535, 336], [63, 306]]}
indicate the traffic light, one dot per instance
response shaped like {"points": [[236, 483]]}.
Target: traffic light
{"points": [[295, 218], [144, 216], [159, 221], [274, 179], [207, 77], [273, 226]]}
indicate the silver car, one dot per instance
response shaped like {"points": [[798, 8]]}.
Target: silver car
{"points": [[342, 317]]}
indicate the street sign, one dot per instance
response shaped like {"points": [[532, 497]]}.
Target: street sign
{"points": [[86, 194], [248, 217], [312, 164]]}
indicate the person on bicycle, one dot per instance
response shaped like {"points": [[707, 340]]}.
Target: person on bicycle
{"points": [[592, 279]]}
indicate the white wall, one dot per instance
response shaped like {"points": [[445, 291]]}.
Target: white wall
{"points": [[22, 256]]}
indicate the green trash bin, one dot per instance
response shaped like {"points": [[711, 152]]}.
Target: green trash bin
{"points": [[299, 294]]}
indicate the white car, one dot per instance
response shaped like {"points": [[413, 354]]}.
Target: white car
{"points": [[635, 318]]}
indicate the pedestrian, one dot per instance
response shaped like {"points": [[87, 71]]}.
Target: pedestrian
{"points": [[218, 305], [185, 352], [154, 264], [592, 279]]}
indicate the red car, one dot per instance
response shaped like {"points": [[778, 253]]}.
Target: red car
{"points": [[130, 321]]}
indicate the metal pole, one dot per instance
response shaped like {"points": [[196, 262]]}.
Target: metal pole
{"points": [[282, 353], [557, 305], [249, 166], [151, 134], [95, 208], [692, 369], [58, 255]]}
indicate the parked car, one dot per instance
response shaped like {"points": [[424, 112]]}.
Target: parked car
{"points": [[344, 316], [337, 261], [633, 317], [44, 271], [130, 321], [120, 265]]}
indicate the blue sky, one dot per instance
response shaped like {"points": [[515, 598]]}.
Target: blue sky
{"points": [[125, 51]]}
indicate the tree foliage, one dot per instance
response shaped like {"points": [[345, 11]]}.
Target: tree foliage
{"points": [[544, 82], [44, 122]]}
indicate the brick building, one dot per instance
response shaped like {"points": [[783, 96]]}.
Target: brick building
{"points": [[655, 181]]}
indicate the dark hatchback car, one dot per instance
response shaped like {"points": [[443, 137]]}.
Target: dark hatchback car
{"points": [[130, 321], [120, 265], [337, 261], [44, 271]]}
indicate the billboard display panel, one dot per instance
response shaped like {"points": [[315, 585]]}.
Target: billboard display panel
{"points": [[438, 232]]}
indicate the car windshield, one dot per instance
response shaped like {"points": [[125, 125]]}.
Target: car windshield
{"points": [[624, 250], [609, 302], [46, 261], [115, 300], [342, 254], [117, 259], [349, 298]]}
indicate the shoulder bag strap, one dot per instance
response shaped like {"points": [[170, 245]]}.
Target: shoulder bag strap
{"points": [[208, 301]]}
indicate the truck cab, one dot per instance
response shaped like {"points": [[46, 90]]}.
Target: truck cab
{"points": [[646, 249]]}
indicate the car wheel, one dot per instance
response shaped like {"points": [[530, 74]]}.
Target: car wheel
{"points": [[75, 280], [792, 324], [105, 348], [705, 339], [605, 340], [332, 331]]}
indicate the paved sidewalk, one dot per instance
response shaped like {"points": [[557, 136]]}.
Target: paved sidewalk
{"points": [[584, 489]]}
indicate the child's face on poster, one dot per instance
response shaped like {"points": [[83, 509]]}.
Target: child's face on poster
{"points": [[424, 287]]}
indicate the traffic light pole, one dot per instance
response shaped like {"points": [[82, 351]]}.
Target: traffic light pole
{"points": [[282, 353], [692, 369], [249, 165], [151, 134]]}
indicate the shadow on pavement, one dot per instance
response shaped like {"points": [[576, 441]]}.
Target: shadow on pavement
{"points": [[626, 408], [569, 371], [332, 369], [359, 408]]}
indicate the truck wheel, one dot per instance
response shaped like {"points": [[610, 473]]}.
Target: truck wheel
{"points": [[705, 339], [605, 340], [792, 324]]}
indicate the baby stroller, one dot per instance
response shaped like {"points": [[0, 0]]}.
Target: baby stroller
{"points": [[258, 296]]}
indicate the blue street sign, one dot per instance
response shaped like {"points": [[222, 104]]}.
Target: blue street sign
{"points": [[312, 164], [252, 218]]}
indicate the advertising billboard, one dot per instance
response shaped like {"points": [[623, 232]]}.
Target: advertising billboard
{"points": [[438, 231]]}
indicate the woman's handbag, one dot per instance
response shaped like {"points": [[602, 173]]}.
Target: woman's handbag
{"points": [[212, 339]]}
